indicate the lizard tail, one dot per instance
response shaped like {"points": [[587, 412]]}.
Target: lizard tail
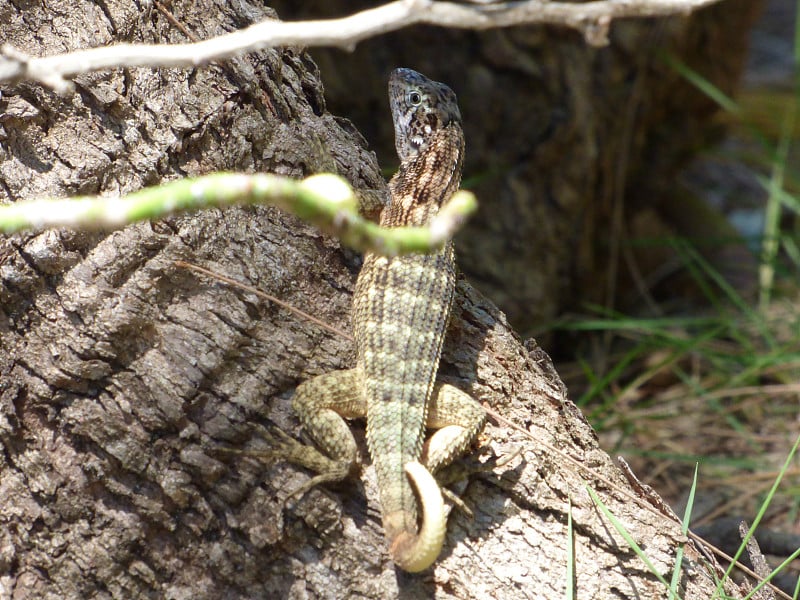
{"points": [[415, 553]]}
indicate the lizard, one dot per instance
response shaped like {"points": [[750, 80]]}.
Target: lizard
{"points": [[401, 308]]}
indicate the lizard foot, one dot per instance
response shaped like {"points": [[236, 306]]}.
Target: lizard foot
{"points": [[284, 447], [329, 470], [462, 470]]}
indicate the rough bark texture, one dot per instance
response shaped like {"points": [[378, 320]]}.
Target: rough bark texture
{"points": [[121, 375]]}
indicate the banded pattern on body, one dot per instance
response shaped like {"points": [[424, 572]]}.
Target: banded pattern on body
{"points": [[402, 304], [401, 308]]}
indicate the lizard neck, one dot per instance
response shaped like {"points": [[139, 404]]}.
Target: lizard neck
{"points": [[425, 182]]}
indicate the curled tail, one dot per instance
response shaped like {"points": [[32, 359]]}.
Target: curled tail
{"points": [[416, 552]]}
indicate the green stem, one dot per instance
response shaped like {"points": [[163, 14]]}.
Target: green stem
{"points": [[325, 200]]}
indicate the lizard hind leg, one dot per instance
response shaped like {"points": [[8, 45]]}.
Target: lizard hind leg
{"points": [[458, 418], [322, 404]]}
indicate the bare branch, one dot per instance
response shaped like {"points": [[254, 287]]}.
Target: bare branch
{"points": [[592, 19]]}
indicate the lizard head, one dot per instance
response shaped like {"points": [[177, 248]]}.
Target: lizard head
{"points": [[420, 107]]}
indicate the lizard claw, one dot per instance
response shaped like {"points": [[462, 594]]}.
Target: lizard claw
{"points": [[459, 471], [285, 447], [282, 446]]}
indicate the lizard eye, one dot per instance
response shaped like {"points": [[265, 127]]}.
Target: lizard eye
{"points": [[414, 98]]}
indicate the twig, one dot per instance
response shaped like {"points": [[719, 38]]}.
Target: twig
{"points": [[253, 290], [592, 19], [758, 561], [175, 22], [324, 200]]}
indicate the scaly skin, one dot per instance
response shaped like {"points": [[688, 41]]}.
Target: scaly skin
{"points": [[402, 306], [401, 309]]}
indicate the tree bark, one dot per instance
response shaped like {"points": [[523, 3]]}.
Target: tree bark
{"points": [[122, 376]]}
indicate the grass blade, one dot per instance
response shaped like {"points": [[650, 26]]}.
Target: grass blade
{"points": [[627, 537], [676, 574]]}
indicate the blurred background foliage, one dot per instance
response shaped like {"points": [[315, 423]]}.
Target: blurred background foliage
{"points": [[701, 363]]}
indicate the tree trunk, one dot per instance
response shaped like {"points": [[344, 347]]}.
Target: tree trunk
{"points": [[123, 376]]}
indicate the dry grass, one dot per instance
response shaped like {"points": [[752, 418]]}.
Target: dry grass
{"points": [[721, 392]]}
